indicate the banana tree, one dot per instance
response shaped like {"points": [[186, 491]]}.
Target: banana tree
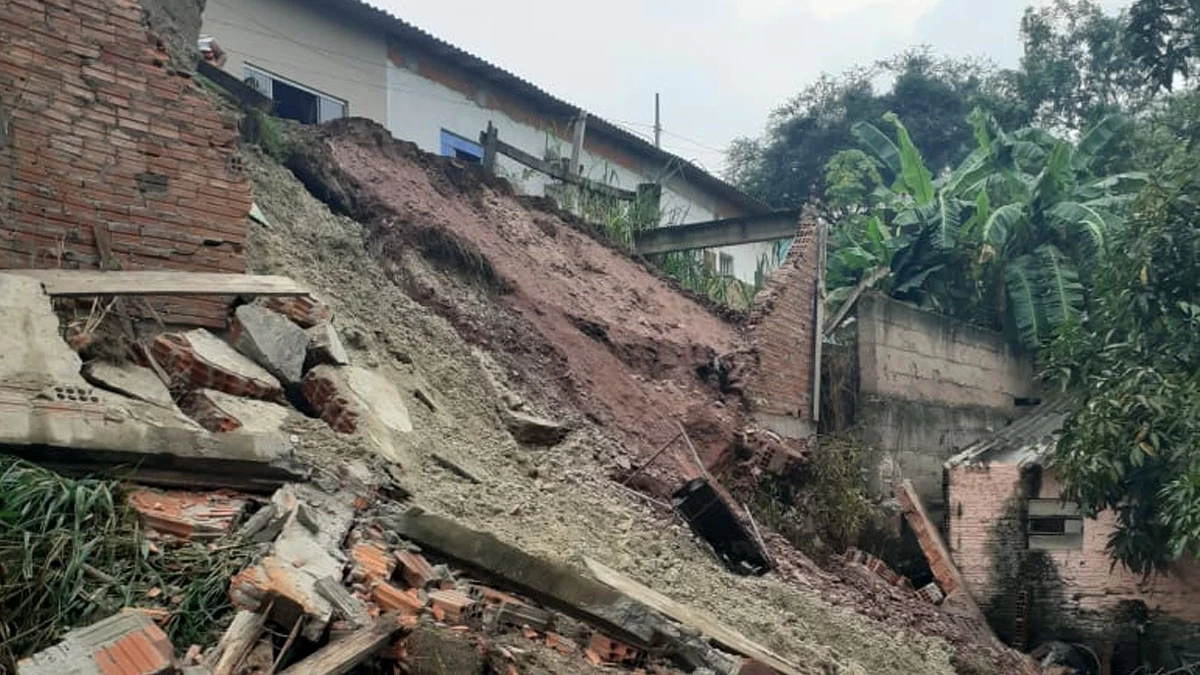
{"points": [[999, 241]]}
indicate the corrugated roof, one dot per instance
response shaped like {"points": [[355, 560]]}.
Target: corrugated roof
{"points": [[358, 9], [1025, 441]]}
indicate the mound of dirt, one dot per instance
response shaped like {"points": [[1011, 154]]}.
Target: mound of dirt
{"points": [[465, 345]]}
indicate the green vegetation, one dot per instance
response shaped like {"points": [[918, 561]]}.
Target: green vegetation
{"points": [[1003, 240], [71, 553]]}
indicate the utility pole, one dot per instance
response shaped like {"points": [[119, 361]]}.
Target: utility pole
{"points": [[657, 124]]}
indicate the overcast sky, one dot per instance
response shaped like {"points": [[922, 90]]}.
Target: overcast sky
{"points": [[720, 65]]}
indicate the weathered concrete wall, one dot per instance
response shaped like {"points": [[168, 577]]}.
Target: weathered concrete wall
{"points": [[104, 145], [1068, 594], [913, 355], [928, 386], [782, 330]]}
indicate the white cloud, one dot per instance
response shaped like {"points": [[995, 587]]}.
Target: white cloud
{"points": [[905, 12]]}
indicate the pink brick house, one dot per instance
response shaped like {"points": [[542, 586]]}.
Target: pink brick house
{"points": [[1039, 568]]}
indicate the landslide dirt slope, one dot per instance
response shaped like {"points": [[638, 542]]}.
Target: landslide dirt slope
{"points": [[444, 330], [569, 314]]}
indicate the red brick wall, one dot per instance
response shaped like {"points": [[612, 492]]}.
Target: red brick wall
{"points": [[98, 133], [781, 331], [981, 496]]}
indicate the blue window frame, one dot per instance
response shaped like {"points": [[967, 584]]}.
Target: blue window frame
{"points": [[454, 145]]}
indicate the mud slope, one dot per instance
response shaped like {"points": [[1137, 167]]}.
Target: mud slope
{"points": [[557, 502], [620, 342]]}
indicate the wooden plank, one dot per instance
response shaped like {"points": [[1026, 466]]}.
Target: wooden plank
{"points": [[711, 628], [241, 635], [714, 233], [86, 283], [555, 171], [341, 656]]}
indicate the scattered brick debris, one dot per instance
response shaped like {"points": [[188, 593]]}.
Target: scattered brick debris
{"points": [[188, 515], [127, 643], [416, 570], [304, 311], [372, 562]]}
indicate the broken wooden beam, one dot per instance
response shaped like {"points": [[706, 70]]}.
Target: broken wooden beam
{"points": [[341, 656], [233, 646], [89, 283]]}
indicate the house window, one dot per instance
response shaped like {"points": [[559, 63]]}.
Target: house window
{"points": [[458, 147], [726, 265], [294, 101], [1052, 525]]}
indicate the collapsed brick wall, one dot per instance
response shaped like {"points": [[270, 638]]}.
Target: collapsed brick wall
{"points": [[782, 330], [103, 146]]}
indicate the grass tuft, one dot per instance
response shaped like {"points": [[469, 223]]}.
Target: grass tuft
{"points": [[72, 553]]}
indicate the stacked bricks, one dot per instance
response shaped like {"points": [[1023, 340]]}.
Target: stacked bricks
{"points": [[304, 311], [327, 396], [178, 357], [782, 330], [608, 650], [372, 562], [106, 147], [416, 570], [455, 607]]}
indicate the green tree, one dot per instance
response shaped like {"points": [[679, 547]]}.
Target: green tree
{"points": [[1077, 66], [1001, 241], [1133, 444], [786, 166], [1164, 37]]}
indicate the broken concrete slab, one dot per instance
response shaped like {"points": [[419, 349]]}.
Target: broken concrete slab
{"points": [[354, 399], [187, 515], [709, 627], [345, 395], [128, 643], [221, 413], [533, 430], [200, 360], [325, 347], [553, 584], [31, 349], [306, 550], [130, 380], [50, 415], [271, 340], [305, 311]]}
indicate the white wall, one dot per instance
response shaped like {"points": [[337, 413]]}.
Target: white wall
{"points": [[419, 108], [299, 41], [296, 40]]}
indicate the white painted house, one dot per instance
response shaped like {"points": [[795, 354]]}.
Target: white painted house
{"points": [[323, 59]]}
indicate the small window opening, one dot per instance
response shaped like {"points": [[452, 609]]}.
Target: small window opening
{"points": [[459, 147], [294, 101], [726, 265]]}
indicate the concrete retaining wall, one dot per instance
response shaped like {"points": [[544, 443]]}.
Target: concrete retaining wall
{"points": [[929, 386]]}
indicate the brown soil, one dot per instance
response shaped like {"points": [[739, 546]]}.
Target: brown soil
{"points": [[618, 342], [465, 345]]}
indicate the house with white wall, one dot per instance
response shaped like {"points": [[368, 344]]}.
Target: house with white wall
{"points": [[323, 59]]}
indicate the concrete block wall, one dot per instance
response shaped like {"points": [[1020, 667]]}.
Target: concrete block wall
{"points": [[104, 145], [919, 356], [929, 386], [985, 505], [782, 330]]}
